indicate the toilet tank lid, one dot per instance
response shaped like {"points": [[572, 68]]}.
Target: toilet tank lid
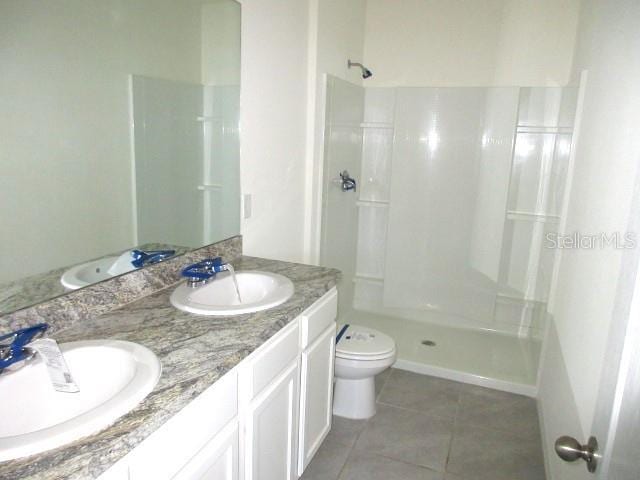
{"points": [[357, 340]]}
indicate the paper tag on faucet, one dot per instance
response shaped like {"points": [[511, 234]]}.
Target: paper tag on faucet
{"points": [[57, 368]]}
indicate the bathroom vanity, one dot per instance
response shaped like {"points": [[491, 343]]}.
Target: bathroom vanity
{"points": [[264, 419], [245, 396]]}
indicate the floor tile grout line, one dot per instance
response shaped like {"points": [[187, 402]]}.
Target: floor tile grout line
{"points": [[351, 449], [494, 430], [387, 457], [413, 410], [453, 433], [451, 419], [399, 460], [384, 384], [353, 446]]}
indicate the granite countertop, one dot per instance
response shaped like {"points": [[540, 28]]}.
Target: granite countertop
{"points": [[195, 351]]}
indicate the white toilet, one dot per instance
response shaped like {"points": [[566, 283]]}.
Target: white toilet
{"points": [[361, 354]]}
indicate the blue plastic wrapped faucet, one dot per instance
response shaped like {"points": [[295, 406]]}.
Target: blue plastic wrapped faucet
{"points": [[203, 271], [13, 346]]}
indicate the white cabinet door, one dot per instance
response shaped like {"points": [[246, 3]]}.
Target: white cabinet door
{"points": [[218, 459], [316, 389], [271, 427]]}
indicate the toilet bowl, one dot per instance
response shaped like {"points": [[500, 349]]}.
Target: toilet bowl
{"points": [[361, 354]]}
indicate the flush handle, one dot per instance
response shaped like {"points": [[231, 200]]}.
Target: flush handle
{"points": [[570, 450]]}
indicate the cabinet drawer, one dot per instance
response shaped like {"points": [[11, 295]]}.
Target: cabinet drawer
{"points": [[168, 449], [263, 365], [315, 319]]}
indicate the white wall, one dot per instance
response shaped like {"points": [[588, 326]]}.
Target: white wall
{"points": [[273, 125], [585, 287], [220, 51], [64, 130], [340, 36], [469, 43]]}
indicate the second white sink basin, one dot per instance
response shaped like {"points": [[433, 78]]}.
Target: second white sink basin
{"points": [[113, 377], [258, 291]]}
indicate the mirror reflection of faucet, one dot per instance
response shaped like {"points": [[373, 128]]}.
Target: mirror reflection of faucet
{"points": [[137, 259]]}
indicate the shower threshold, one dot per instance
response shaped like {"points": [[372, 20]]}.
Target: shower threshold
{"points": [[486, 358]]}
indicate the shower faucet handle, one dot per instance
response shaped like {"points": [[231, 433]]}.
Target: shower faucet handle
{"points": [[348, 183]]}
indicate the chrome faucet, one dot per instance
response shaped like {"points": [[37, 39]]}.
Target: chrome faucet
{"points": [[200, 273], [14, 350], [348, 183]]}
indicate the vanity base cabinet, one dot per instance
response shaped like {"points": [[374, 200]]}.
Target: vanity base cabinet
{"points": [[316, 393], [270, 429]]}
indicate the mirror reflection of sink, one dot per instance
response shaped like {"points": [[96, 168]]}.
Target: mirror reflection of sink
{"points": [[113, 377], [90, 272], [258, 291]]}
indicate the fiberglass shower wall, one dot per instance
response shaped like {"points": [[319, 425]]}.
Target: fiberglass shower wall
{"points": [[458, 188], [342, 151], [451, 162]]}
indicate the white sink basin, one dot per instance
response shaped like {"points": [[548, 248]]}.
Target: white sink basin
{"points": [[113, 377], [258, 291], [88, 273]]}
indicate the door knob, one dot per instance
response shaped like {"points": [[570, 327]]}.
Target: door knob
{"points": [[570, 450]]}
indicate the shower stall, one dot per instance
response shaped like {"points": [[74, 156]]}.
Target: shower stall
{"points": [[444, 244]]}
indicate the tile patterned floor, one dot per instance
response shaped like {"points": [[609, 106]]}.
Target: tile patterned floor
{"points": [[428, 428]]}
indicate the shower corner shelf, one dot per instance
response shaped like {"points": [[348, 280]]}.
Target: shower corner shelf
{"points": [[532, 217], [208, 118], [372, 203], [384, 125], [209, 187], [368, 278], [541, 129]]}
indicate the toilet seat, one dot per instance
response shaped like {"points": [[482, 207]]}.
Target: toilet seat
{"points": [[363, 344]]}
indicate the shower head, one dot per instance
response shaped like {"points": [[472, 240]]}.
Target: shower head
{"points": [[366, 73]]}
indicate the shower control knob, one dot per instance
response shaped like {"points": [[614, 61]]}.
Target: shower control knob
{"points": [[570, 450], [347, 183]]}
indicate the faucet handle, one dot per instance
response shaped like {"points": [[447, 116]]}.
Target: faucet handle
{"points": [[204, 270], [347, 182]]}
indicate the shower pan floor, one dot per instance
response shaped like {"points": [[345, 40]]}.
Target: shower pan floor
{"points": [[479, 357]]}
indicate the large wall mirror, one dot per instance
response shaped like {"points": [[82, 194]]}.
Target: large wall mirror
{"points": [[118, 133]]}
